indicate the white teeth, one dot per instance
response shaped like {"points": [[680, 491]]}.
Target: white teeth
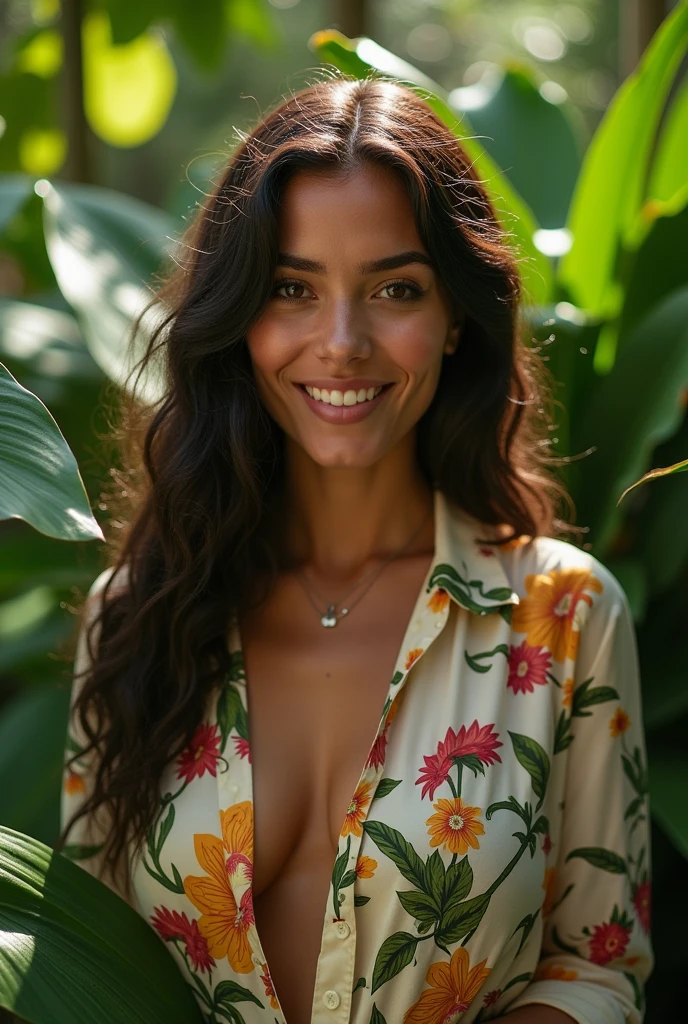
{"points": [[342, 397]]}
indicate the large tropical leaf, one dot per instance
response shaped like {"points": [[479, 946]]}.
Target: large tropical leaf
{"points": [[361, 57], [39, 477], [14, 189], [609, 193], [630, 411], [105, 249], [46, 340], [532, 136], [73, 952], [670, 166]]}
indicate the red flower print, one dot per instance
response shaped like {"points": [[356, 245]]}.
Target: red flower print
{"points": [[478, 740], [269, 989], [376, 757], [243, 748], [434, 773], [546, 844], [492, 996], [487, 552], [413, 656], [201, 755], [528, 666], [170, 925], [641, 902], [608, 942]]}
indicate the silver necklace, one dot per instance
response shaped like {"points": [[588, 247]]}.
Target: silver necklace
{"points": [[331, 616]]}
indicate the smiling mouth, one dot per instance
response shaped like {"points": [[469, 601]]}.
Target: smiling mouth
{"points": [[344, 397]]}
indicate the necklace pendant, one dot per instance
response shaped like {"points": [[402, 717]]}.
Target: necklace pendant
{"points": [[330, 617]]}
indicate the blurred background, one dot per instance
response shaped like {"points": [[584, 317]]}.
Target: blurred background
{"points": [[114, 116]]}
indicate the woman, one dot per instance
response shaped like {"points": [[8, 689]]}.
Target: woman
{"points": [[361, 719]]}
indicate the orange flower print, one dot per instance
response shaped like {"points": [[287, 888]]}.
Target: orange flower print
{"points": [[439, 600], [554, 971], [619, 723], [355, 812], [455, 825], [549, 615], [454, 986], [567, 690], [365, 867], [223, 923], [236, 825], [73, 783], [269, 988], [413, 656], [548, 886]]}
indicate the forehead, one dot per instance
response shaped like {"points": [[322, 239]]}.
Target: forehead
{"points": [[332, 211]]}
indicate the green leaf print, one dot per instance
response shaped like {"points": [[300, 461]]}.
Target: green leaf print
{"points": [[393, 845], [236, 667], [165, 829], [527, 925], [511, 804], [396, 678], [638, 997], [534, 759], [460, 919], [348, 878], [359, 984], [447, 577], [434, 878], [458, 882], [585, 698], [562, 733], [635, 771], [338, 874], [473, 660], [231, 714], [376, 1017], [419, 905], [228, 992], [360, 901], [601, 858], [385, 787], [395, 953]]}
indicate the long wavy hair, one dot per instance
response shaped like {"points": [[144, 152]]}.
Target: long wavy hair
{"points": [[201, 474]]}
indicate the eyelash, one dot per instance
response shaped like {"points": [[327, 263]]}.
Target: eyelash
{"points": [[283, 281]]}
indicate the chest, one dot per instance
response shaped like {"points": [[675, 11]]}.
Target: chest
{"points": [[315, 697]]}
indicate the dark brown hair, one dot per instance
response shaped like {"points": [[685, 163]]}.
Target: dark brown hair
{"points": [[204, 466]]}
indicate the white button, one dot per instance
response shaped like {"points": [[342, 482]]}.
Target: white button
{"points": [[331, 999], [342, 929]]}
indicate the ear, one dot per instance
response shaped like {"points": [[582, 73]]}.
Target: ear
{"points": [[453, 336]]}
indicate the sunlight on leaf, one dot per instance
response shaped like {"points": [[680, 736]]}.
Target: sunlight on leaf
{"points": [[654, 474]]}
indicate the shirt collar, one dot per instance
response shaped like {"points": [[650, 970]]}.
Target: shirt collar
{"points": [[470, 571]]}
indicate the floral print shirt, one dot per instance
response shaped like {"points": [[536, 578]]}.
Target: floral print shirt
{"points": [[496, 849]]}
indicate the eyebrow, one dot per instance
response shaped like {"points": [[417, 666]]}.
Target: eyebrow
{"points": [[399, 259]]}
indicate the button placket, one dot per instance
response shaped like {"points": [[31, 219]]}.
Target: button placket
{"points": [[331, 999]]}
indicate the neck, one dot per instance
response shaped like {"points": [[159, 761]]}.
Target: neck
{"points": [[340, 522]]}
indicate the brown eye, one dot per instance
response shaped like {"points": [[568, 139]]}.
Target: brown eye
{"points": [[284, 283]]}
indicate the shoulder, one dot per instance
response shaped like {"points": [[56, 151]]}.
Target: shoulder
{"points": [[555, 566]]}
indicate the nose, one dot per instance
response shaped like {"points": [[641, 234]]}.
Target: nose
{"points": [[344, 335]]}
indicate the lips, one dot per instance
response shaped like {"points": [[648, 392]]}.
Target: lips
{"points": [[344, 413]]}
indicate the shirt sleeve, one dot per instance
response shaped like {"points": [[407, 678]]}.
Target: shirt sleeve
{"points": [[596, 951], [85, 839]]}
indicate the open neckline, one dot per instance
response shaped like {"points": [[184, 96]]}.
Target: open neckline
{"points": [[423, 626]]}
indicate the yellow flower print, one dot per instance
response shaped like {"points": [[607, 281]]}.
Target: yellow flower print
{"points": [[554, 971], [356, 810], [236, 825], [365, 867], [439, 600], [455, 825], [454, 986], [619, 723], [567, 699], [223, 923], [73, 783], [413, 656], [548, 614]]}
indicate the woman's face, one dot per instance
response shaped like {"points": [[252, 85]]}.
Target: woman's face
{"points": [[339, 324]]}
